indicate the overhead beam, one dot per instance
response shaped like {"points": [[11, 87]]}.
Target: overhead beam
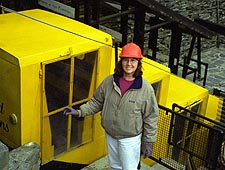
{"points": [[218, 28]]}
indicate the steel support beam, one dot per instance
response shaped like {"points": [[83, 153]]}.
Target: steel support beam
{"points": [[153, 37], [124, 23], [175, 45], [139, 26]]}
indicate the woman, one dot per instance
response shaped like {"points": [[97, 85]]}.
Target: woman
{"points": [[129, 111]]}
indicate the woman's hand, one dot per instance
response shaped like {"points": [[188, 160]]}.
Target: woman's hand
{"points": [[70, 111], [146, 150]]}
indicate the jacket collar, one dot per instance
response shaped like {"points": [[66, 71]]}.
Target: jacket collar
{"points": [[136, 85]]}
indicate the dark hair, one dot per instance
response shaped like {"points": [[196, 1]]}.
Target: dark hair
{"points": [[119, 69]]}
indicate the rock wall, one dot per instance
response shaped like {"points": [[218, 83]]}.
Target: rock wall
{"points": [[4, 157], [212, 10], [26, 157]]}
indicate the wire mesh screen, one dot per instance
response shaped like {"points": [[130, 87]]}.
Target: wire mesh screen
{"points": [[163, 130], [194, 141]]}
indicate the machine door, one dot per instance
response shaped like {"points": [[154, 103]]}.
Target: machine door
{"points": [[67, 82]]}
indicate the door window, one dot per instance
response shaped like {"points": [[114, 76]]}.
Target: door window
{"points": [[69, 82]]}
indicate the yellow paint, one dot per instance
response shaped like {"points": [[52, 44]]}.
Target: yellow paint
{"points": [[212, 107]]}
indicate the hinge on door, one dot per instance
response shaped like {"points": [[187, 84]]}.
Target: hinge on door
{"points": [[68, 52], [40, 74]]}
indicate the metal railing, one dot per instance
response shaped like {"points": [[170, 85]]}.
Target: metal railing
{"points": [[194, 141]]}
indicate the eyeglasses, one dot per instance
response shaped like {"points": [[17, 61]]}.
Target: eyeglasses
{"points": [[131, 60]]}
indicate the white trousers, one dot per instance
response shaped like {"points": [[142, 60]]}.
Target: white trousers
{"points": [[124, 154]]}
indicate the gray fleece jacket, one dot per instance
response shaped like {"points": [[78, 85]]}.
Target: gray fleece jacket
{"points": [[125, 116]]}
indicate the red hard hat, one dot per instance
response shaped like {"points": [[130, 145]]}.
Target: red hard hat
{"points": [[131, 50]]}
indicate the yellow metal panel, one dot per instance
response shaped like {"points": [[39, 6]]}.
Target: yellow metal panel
{"points": [[184, 92], [105, 64], [32, 41], [47, 150], [30, 104], [155, 72], [212, 107], [10, 100]]}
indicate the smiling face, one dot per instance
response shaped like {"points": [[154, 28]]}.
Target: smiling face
{"points": [[129, 66]]}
